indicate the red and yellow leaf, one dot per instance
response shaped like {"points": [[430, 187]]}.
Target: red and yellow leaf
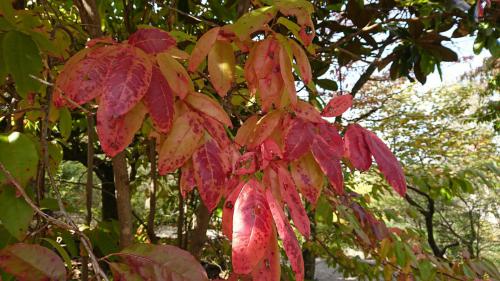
{"points": [[245, 132], [337, 106], [127, 81], [29, 262], [152, 40], [181, 142], [247, 164], [115, 134], [209, 173], [302, 61], [202, 48], [188, 181], [287, 75], [159, 101], [285, 231], [252, 228], [292, 200], [329, 165], [356, 148], [265, 127], [270, 91], [307, 112], [217, 131], [387, 162], [308, 177], [177, 77], [208, 106], [221, 67]]}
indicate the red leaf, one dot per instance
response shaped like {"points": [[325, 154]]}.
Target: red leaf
{"points": [[152, 40], [292, 199], [266, 57], [270, 150], [298, 138], [252, 228], [202, 48], [285, 231], [330, 166], [180, 143], [188, 181], [269, 268], [337, 106], [159, 101], [127, 81], [105, 40], [331, 137], [387, 162], [217, 131], [356, 148], [308, 177], [161, 262], [247, 164], [209, 173], [32, 263], [307, 112], [228, 211], [115, 134], [208, 106], [83, 76]]}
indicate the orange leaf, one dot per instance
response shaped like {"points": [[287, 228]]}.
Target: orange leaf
{"points": [[302, 61], [221, 67], [337, 106], [177, 77], [245, 132], [203, 46], [265, 127], [181, 142], [208, 106], [308, 177]]}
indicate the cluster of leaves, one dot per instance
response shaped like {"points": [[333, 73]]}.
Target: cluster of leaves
{"points": [[279, 154]]}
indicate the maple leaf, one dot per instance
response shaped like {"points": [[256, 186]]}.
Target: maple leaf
{"points": [[252, 228], [209, 173]]}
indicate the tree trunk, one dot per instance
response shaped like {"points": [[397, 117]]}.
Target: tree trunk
{"points": [[123, 199], [89, 16], [198, 236], [309, 256]]}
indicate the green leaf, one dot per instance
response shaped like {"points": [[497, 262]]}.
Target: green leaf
{"points": [[65, 123], [61, 251], [15, 213], [32, 263], [22, 59], [324, 213], [3, 68], [400, 253], [19, 156], [253, 21], [327, 84]]}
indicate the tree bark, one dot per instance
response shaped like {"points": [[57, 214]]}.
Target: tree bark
{"points": [[89, 16], [198, 236], [123, 199], [152, 198]]}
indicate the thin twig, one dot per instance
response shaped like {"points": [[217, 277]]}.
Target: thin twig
{"points": [[191, 16]]}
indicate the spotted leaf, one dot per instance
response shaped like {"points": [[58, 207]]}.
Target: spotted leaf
{"points": [[298, 138], [356, 148], [159, 101], [177, 77], [330, 166], [208, 106], [337, 106], [308, 177], [152, 40]]}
